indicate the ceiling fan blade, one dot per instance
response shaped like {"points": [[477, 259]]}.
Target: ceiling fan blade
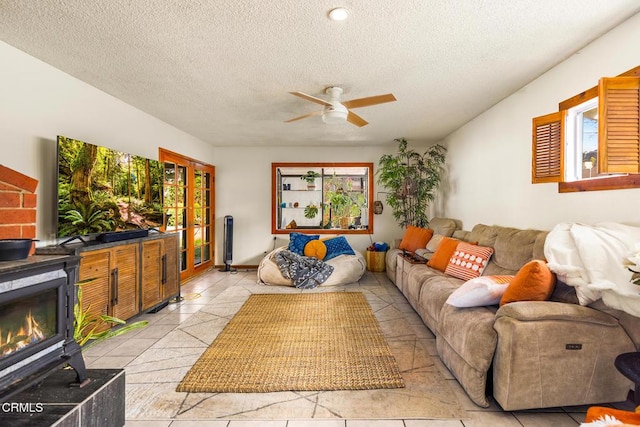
{"points": [[311, 98], [356, 119], [372, 100], [315, 113]]}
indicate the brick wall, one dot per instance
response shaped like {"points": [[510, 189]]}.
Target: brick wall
{"points": [[17, 205]]}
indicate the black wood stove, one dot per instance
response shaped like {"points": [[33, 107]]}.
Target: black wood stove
{"points": [[37, 296]]}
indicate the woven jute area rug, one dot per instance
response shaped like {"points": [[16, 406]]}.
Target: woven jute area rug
{"points": [[311, 341]]}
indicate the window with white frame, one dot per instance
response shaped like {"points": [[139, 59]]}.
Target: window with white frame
{"points": [[581, 139]]}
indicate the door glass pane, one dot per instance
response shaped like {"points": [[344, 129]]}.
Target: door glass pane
{"points": [[181, 196], [207, 253], [197, 220], [206, 180], [182, 175], [169, 195], [169, 173], [170, 218], [197, 238], [180, 219], [207, 216]]}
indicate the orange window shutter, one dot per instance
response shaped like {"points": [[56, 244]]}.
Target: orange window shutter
{"points": [[548, 148], [619, 125]]}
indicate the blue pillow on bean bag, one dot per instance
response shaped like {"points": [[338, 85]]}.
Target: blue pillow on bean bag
{"points": [[337, 246], [297, 241]]}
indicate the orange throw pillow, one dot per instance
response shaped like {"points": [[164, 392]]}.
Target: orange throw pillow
{"points": [[440, 258], [415, 238], [596, 412], [534, 282], [316, 249]]}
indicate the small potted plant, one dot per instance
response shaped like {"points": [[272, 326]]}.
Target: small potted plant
{"points": [[310, 177]]}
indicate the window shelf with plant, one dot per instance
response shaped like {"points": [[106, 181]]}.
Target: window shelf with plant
{"points": [[322, 198]]}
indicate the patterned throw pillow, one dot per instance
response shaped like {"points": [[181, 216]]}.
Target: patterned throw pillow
{"points": [[480, 292], [468, 261], [337, 246], [297, 241]]}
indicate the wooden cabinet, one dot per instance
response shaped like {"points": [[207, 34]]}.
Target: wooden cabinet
{"points": [[160, 274], [123, 279], [109, 280]]}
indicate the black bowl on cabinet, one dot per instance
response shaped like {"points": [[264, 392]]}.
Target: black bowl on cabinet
{"points": [[14, 249]]}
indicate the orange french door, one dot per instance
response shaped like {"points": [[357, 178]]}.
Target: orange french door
{"points": [[189, 202]]}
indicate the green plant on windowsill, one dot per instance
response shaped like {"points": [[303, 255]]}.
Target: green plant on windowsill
{"points": [[310, 178], [340, 203], [87, 326]]}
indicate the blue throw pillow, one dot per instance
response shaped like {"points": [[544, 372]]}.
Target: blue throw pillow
{"points": [[297, 241], [337, 246]]}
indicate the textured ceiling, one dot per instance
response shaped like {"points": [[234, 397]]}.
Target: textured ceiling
{"points": [[221, 70]]}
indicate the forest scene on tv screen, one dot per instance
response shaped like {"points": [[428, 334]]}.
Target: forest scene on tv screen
{"points": [[102, 190]]}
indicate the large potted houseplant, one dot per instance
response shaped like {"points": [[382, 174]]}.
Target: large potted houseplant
{"points": [[412, 179]]}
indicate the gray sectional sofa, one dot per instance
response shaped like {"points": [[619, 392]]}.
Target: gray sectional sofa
{"points": [[524, 354]]}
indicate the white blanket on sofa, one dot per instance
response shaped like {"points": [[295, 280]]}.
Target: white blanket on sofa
{"points": [[590, 258]]}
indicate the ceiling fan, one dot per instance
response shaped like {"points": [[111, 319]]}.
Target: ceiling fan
{"points": [[339, 112]]}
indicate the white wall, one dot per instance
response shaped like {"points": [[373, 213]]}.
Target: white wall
{"points": [[39, 102], [489, 158]]}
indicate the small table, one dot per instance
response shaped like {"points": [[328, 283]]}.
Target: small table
{"points": [[629, 365]]}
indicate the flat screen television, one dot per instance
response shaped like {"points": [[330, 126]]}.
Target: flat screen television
{"points": [[102, 190]]}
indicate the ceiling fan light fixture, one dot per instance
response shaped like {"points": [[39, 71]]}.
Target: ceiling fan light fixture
{"points": [[334, 116], [338, 14]]}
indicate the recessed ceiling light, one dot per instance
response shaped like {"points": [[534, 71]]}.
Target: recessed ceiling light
{"points": [[338, 14]]}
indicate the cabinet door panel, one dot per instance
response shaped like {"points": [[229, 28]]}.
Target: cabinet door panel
{"points": [[93, 276], [171, 266], [152, 252], [125, 271]]}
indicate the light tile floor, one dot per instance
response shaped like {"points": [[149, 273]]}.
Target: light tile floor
{"points": [[127, 351]]}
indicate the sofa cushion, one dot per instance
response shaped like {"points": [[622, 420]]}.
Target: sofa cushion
{"points": [[466, 344], [514, 248], [481, 291], [468, 261], [440, 259], [432, 244], [337, 246], [443, 226], [415, 238], [297, 241], [434, 292], [534, 282]]}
